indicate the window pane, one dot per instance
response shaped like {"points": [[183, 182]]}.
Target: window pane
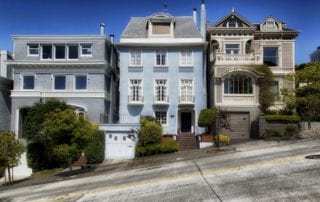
{"points": [[33, 49], [28, 82], [270, 56], [238, 84], [86, 49], [73, 52], [60, 52], [60, 82], [46, 51], [81, 82]]}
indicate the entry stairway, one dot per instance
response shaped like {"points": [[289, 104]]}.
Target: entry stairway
{"points": [[187, 141]]}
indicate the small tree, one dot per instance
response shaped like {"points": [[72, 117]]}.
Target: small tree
{"points": [[207, 117], [10, 153]]}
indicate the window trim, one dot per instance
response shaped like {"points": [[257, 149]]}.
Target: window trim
{"points": [[278, 56], [186, 51], [166, 58], [54, 82], [192, 86], [232, 43], [28, 49], [155, 89], [239, 94], [130, 54], [161, 111], [22, 82], [140, 100], [81, 48], [75, 82]]}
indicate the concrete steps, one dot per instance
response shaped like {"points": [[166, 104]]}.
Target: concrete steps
{"points": [[187, 141]]}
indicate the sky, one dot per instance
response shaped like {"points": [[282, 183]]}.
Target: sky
{"points": [[82, 17]]}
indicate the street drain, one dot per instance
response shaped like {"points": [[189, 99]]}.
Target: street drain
{"points": [[313, 156]]}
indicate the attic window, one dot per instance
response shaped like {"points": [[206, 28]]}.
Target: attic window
{"points": [[270, 24], [160, 28]]}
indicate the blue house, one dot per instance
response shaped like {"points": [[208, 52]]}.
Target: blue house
{"points": [[162, 72]]}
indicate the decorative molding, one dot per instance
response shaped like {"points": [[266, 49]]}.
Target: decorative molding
{"points": [[64, 94]]}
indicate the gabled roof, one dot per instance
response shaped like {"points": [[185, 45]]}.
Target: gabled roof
{"points": [[184, 27], [234, 14]]}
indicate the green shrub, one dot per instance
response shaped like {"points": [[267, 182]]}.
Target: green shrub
{"points": [[272, 134], [169, 146], [207, 116], [63, 153], [283, 118], [39, 157], [94, 151], [150, 134], [223, 138], [292, 131]]}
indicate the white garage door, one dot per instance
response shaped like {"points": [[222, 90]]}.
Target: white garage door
{"points": [[119, 146], [239, 123]]}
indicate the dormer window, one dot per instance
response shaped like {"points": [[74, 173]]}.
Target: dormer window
{"points": [[160, 28], [270, 24]]}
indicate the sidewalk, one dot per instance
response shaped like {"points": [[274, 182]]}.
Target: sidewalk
{"points": [[108, 167]]}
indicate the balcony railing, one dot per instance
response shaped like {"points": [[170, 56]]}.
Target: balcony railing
{"points": [[240, 59], [135, 100], [161, 100], [186, 99]]}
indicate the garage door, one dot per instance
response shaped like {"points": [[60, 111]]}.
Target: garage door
{"points": [[119, 146], [239, 123]]}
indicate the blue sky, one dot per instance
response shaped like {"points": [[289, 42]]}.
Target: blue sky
{"points": [[37, 17]]}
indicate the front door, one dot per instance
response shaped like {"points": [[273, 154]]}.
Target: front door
{"points": [[186, 121]]}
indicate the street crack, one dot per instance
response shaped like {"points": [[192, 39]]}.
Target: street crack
{"points": [[205, 179]]}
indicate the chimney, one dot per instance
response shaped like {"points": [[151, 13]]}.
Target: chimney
{"points": [[195, 16], [203, 20], [112, 38], [102, 29]]}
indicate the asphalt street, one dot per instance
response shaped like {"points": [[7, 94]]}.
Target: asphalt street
{"points": [[278, 173]]}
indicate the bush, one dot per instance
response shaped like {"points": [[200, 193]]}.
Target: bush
{"points": [[94, 151], [283, 118], [39, 157], [207, 116], [169, 146], [272, 134], [292, 131], [150, 134], [223, 138], [65, 153]]}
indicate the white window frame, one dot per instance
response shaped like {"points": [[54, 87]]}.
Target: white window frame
{"points": [[188, 60], [22, 82], [131, 91], [52, 51], [54, 81], [187, 93], [68, 49], [271, 22], [161, 52], [81, 49], [75, 82], [160, 121], [135, 52], [28, 49], [166, 95], [225, 48]]}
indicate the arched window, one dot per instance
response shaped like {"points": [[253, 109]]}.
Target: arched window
{"points": [[238, 84]]}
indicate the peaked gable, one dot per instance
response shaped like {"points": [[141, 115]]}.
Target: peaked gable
{"points": [[234, 20]]}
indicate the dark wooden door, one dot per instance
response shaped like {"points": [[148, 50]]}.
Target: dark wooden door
{"points": [[186, 119]]}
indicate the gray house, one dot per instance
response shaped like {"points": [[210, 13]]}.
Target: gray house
{"points": [[5, 87], [81, 70], [235, 46]]}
